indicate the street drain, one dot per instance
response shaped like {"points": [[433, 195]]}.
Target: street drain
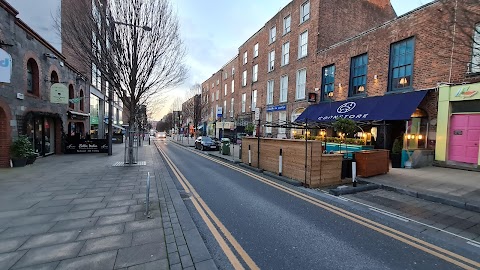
{"points": [[184, 195]]}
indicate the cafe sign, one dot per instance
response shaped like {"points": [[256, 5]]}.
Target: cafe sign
{"points": [[87, 146], [5, 66], [59, 93]]}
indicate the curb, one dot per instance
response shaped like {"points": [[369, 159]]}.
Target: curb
{"points": [[246, 166], [351, 190], [430, 196], [284, 179]]}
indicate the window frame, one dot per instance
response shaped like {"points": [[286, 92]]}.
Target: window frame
{"points": [[35, 77], [285, 54], [271, 60], [268, 120], [254, 99], [287, 29], [255, 73], [255, 50], [244, 102], [302, 45], [302, 12], [283, 88], [270, 90], [325, 83], [474, 66], [355, 75], [245, 57], [299, 85], [282, 121], [232, 104], [391, 67], [272, 36], [244, 78]]}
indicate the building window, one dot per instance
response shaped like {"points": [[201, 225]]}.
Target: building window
{"points": [[254, 100], [301, 80], [475, 64], [225, 75], [233, 86], [54, 77], [271, 61], [233, 71], [286, 24], [218, 81], [82, 102], [213, 96], [33, 79], [305, 12], [401, 64], [358, 75], [232, 102], [217, 94], [285, 53], [273, 34], [303, 44], [282, 120], [245, 58], [244, 78], [225, 90], [283, 88], [213, 84], [270, 92], [244, 101], [224, 108], [255, 73], [71, 95], [268, 119], [255, 50], [328, 80]]}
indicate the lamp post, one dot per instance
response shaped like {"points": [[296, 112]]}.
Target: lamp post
{"points": [[110, 95]]}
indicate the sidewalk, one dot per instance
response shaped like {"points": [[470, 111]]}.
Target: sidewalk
{"points": [[81, 212], [453, 187]]}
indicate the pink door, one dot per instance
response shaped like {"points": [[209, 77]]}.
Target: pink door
{"points": [[464, 138]]}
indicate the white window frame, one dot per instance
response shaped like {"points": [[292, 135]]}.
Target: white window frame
{"points": [[301, 84], [254, 99], [224, 108], [233, 86], [270, 87], [305, 12], [244, 78], [287, 22], [218, 81], [475, 63], [217, 93], [232, 104], [271, 60], [283, 88], [273, 34], [255, 73], [285, 53], [268, 119], [233, 71], [245, 57], [244, 102], [303, 44], [213, 96], [225, 90], [282, 119], [255, 50]]}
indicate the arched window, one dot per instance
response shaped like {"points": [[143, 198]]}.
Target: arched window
{"points": [[82, 103], [71, 96], [54, 77], [32, 77]]}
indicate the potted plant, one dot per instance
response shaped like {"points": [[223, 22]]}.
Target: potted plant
{"points": [[32, 156], [20, 150], [396, 155]]}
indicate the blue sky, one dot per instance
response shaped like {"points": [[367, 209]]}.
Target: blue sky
{"points": [[212, 30]]}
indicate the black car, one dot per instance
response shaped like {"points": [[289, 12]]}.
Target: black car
{"points": [[206, 143]]}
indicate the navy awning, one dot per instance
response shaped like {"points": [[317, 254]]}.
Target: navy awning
{"points": [[388, 107]]}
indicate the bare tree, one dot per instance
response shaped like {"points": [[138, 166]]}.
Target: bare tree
{"points": [[133, 46], [194, 107]]}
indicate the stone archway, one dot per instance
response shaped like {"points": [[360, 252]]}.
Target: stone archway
{"points": [[5, 139]]}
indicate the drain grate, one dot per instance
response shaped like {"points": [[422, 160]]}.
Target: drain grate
{"points": [[121, 164]]}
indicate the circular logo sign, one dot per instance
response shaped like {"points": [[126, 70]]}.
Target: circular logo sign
{"points": [[346, 107]]}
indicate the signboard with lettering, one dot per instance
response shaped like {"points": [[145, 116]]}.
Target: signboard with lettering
{"points": [[59, 93], [275, 108], [5, 66], [86, 146], [219, 112]]}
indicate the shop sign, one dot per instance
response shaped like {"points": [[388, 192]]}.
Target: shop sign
{"points": [[94, 120], [219, 112], [465, 92], [87, 146], [275, 108], [5, 66], [59, 93]]}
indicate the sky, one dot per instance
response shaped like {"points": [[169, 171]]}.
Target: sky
{"points": [[212, 31]]}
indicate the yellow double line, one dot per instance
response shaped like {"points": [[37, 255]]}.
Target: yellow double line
{"points": [[434, 250], [213, 223]]}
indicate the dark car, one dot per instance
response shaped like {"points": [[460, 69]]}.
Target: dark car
{"points": [[205, 143]]}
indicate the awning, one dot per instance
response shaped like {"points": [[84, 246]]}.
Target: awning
{"points": [[117, 126], [79, 113], [388, 107]]}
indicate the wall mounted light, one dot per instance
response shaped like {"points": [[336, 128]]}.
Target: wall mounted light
{"points": [[420, 137], [361, 88]]}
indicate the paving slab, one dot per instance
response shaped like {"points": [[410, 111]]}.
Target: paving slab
{"points": [[140, 254], [111, 211], [155, 265], [66, 225], [12, 244], [49, 239], [49, 254], [99, 261], [88, 206], [106, 243], [107, 220], [26, 230], [9, 259], [101, 231]]}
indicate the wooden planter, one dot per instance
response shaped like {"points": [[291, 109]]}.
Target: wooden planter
{"points": [[372, 162]]}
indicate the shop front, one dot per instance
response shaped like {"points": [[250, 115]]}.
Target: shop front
{"points": [[43, 130], [77, 125], [458, 128]]}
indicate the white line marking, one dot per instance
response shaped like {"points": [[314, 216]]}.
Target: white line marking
{"points": [[474, 243], [388, 214]]}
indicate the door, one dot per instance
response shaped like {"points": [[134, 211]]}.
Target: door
{"points": [[464, 138]]}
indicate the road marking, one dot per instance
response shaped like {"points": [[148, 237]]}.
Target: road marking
{"points": [[439, 252], [388, 214], [476, 244], [203, 210]]}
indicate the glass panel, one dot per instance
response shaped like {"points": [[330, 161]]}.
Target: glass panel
{"points": [[38, 137]]}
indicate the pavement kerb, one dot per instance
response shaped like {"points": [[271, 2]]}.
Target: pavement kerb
{"points": [[429, 196]]}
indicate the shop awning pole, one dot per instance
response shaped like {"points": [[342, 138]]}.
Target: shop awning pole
{"points": [[384, 135]]}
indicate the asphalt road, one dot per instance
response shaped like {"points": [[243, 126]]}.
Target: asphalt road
{"points": [[281, 231]]}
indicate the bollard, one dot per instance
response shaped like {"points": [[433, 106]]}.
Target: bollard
{"points": [[280, 163], [354, 171], [147, 197], [249, 156]]}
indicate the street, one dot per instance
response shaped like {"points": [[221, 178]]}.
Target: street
{"points": [[270, 226]]}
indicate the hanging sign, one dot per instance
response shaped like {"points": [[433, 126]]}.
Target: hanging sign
{"points": [[75, 100], [5, 66], [59, 93]]}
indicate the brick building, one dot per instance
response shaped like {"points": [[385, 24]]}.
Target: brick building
{"points": [[26, 105], [340, 56]]}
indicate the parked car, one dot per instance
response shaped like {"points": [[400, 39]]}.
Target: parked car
{"points": [[206, 143]]}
